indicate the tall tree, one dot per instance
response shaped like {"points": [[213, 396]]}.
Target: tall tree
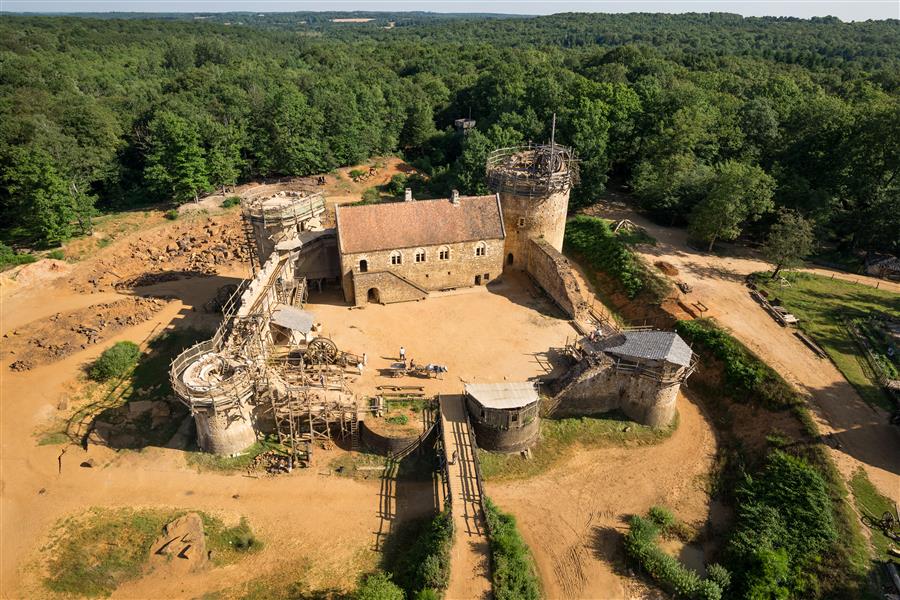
{"points": [[42, 203], [790, 240], [738, 193], [175, 162]]}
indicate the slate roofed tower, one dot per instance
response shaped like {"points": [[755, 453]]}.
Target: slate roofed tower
{"points": [[533, 182]]}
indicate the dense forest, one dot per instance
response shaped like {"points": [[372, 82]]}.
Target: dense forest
{"points": [[714, 121]]}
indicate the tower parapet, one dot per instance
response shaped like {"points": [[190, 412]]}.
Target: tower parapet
{"points": [[534, 182]]}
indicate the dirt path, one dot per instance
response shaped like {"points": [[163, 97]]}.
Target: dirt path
{"points": [[863, 431], [299, 516], [470, 577], [573, 517]]}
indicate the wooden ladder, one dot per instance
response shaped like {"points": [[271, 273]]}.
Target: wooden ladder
{"points": [[354, 432]]}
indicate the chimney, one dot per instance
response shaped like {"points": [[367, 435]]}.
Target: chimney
{"points": [[454, 197], [407, 195]]}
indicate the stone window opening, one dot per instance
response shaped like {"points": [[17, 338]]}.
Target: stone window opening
{"points": [[363, 266], [396, 258], [480, 249], [444, 253], [521, 222], [420, 255]]}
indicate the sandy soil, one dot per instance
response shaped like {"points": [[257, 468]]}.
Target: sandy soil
{"points": [[866, 438], [298, 516], [573, 517], [462, 331]]}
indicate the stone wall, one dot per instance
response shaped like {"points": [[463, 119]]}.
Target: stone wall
{"points": [[464, 268], [553, 272], [507, 440], [225, 432], [531, 218], [596, 388], [384, 444]]}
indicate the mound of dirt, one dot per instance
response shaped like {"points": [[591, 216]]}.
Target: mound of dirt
{"points": [[667, 268], [192, 248], [40, 271], [47, 340]]}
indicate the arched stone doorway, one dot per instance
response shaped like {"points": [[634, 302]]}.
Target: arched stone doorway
{"points": [[373, 296], [509, 259]]}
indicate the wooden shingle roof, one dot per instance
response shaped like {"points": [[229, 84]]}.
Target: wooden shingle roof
{"points": [[396, 225]]}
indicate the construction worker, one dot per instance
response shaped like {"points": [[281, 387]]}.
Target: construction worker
{"points": [[359, 367], [402, 354], [365, 359]]}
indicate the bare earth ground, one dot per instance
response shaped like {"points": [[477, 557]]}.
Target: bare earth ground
{"points": [[322, 528], [863, 431], [573, 517]]}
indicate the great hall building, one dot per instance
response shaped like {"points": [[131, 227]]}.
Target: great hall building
{"points": [[401, 251]]}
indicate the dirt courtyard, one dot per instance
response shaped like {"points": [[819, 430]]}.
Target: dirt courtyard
{"points": [[502, 332]]}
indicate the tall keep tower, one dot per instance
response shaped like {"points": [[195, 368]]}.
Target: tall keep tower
{"points": [[534, 183]]}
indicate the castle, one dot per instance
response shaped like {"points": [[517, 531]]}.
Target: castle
{"points": [[269, 369]]}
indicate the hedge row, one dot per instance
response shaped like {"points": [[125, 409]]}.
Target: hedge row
{"points": [[746, 375], [514, 577], [593, 239], [418, 556], [666, 571]]}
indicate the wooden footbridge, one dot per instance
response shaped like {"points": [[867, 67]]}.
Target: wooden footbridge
{"points": [[470, 574]]}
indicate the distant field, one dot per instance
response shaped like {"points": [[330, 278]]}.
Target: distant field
{"points": [[825, 307]]}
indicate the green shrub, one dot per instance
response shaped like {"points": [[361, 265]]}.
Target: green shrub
{"points": [[784, 525], [593, 239], [231, 201], [719, 575], [668, 572], [10, 258], [354, 173], [397, 185], [378, 586], [662, 516], [745, 374], [57, 254], [115, 362], [171, 214], [398, 419], [427, 594], [514, 577], [423, 562], [371, 195]]}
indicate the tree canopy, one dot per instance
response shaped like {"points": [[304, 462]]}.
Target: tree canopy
{"points": [[116, 112]]}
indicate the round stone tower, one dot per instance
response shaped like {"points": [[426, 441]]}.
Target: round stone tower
{"points": [[534, 184], [268, 221]]}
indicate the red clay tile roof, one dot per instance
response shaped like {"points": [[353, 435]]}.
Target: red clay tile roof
{"points": [[391, 225]]}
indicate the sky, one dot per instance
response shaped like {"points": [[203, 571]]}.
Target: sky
{"points": [[847, 10]]}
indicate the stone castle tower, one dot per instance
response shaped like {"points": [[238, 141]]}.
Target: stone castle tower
{"points": [[533, 182]]}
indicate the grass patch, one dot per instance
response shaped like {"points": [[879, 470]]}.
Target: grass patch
{"points": [[559, 437], [172, 214], [91, 554], [635, 235], [398, 419], [512, 567], [53, 438], [870, 502], [205, 461], [10, 258], [823, 305], [115, 362], [231, 201], [228, 544]]}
